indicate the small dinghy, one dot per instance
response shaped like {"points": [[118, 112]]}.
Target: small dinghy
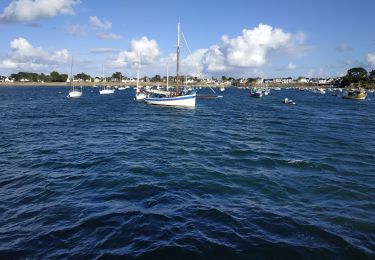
{"points": [[288, 101]]}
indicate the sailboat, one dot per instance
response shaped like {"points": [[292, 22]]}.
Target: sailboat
{"points": [[106, 90], [177, 98], [73, 93], [140, 93], [121, 87]]}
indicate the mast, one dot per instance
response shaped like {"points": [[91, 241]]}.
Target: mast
{"points": [[139, 64], [71, 74], [167, 78], [102, 76], [178, 58], [138, 78]]}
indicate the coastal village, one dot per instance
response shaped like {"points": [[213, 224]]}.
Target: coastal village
{"points": [[223, 81]]}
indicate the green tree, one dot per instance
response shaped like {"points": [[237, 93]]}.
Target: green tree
{"points": [[54, 76], [156, 78], [62, 78], [223, 78], [372, 75], [357, 74], [117, 76], [82, 76]]}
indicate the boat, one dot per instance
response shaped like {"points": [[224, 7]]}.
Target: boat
{"points": [[179, 99], [107, 90], [357, 94], [140, 92], [74, 92], [257, 93], [266, 91], [288, 101], [222, 89], [121, 87]]}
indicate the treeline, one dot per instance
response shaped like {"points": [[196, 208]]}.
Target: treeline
{"points": [[358, 76], [35, 77]]}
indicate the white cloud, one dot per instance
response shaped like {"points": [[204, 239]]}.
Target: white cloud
{"points": [[371, 59], [75, 30], [99, 24], [24, 56], [250, 50], [108, 36], [31, 10], [8, 64], [104, 50], [291, 66], [146, 49]]}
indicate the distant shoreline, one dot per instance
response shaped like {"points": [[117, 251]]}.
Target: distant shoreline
{"points": [[133, 84]]}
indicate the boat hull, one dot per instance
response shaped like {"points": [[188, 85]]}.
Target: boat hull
{"points": [[356, 96], [180, 101], [106, 91], [256, 94], [140, 96], [75, 94]]}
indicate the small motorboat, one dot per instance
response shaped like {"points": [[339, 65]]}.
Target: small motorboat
{"points": [[359, 94], [288, 101]]}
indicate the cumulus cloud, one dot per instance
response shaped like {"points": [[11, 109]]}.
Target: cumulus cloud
{"points": [[250, 50], [31, 10], [99, 24], [371, 59], [343, 47], [144, 49], [25, 56], [108, 36]]}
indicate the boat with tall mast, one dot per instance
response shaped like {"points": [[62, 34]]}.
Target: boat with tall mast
{"points": [[180, 99], [122, 87], [106, 89], [140, 93], [74, 92]]}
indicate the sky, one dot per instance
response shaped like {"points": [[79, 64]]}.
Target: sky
{"points": [[237, 38]]}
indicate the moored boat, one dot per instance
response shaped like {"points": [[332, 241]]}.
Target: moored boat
{"points": [[257, 93], [106, 91], [357, 94], [179, 99], [74, 92]]}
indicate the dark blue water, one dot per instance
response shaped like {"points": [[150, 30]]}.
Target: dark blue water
{"points": [[236, 177]]}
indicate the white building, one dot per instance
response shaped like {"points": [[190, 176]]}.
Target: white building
{"points": [[302, 80]]}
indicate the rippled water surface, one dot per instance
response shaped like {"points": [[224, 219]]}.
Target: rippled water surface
{"points": [[236, 177]]}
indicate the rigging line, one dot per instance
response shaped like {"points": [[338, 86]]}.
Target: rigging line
{"points": [[194, 62]]}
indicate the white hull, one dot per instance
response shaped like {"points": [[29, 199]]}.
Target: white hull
{"points": [[106, 91], [140, 96], [121, 88], [180, 101], [75, 94]]}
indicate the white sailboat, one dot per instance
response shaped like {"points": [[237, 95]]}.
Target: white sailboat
{"points": [[140, 93], [74, 92], [121, 87], [178, 99], [106, 90]]}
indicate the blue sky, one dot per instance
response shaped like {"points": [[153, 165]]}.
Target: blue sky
{"points": [[233, 38]]}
